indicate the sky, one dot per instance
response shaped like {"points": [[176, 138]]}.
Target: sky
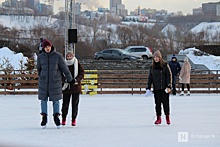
{"points": [[185, 6], [113, 121]]}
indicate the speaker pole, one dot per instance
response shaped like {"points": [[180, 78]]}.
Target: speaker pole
{"points": [[70, 6]]}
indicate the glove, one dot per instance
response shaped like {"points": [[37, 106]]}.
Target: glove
{"points": [[167, 90], [180, 78], [148, 93], [74, 82]]}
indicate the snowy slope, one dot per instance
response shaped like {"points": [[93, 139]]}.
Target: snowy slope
{"points": [[168, 29], [211, 29], [26, 22]]}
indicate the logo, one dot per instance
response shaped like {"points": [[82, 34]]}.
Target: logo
{"points": [[183, 137]]}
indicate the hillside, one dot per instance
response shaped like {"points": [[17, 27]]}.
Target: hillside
{"points": [[27, 22]]}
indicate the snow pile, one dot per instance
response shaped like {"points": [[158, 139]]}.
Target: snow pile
{"points": [[210, 61], [12, 57]]}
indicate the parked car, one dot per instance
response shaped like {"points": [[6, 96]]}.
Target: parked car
{"points": [[141, 51], [115, 54]]}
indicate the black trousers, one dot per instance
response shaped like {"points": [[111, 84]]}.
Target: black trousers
{"points": [[161, 97], [174, 84], [187, 85], [66, 102]]}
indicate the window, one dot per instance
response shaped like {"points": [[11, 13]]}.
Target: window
{"points": [[107, 52], [116, 52], [140, 50], [132, 50]]}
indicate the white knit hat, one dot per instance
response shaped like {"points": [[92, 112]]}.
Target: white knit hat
{"points": [[186, 59]]}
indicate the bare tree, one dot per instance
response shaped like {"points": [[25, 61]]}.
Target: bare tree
{"points": [[124, 34]]}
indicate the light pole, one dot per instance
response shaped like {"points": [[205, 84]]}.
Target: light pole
{"points": [[70, 25]]}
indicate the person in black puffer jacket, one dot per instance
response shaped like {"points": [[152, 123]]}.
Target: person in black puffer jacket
{"points": [[175, 69], [161, 77], [51, 67]]}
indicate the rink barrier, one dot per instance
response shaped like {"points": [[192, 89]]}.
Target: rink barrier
{"points": [[107, 82]]}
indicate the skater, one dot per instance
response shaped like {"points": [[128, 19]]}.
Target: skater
{"points": [[161, 77], [50, 67], [184, 77], [73, 90], [175, 69], [40, 47]]}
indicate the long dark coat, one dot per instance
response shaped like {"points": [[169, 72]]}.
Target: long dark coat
{"points": [[50, 67]]}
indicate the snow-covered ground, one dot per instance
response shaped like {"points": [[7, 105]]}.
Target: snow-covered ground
{"points": [[113, 121], [14, 59], [211, 30], [211, 62], [26, 22]]}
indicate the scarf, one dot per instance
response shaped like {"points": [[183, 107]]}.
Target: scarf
{"points": [[74, 62]]}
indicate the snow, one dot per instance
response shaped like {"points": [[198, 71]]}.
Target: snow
{"points": [[168, 30], [211, 29], [111, 121], [147, 25], [26, 22], [14, 59], [211, 62]]}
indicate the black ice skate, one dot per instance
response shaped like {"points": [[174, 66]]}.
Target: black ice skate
{"points": [[56, 119], [44, 120]]}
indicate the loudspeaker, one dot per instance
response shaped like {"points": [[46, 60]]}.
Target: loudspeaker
{"points": [[72, 35]]}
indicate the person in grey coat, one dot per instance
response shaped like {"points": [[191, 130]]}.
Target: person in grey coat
{"points": [[51, 66]]}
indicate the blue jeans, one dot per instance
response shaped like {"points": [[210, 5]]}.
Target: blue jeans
{"points": [[56, 107]]}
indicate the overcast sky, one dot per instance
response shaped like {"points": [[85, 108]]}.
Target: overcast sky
{"points": [[185, 6]]}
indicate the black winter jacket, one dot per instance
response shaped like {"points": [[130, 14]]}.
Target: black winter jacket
{"points": [[75, 88], [51, 66], [160, 77], [175, 67]]}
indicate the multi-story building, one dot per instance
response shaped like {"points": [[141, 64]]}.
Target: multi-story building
{"points": [[197, 11], [28, 6], [117, 8], [113, 3], [218, 10], [211, 9]]}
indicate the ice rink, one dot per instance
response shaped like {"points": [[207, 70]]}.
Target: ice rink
{"points": [[113, 121]]}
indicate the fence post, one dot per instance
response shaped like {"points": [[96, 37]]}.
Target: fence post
{"points": [[140, 79], [217, 83], [209, 89], [132, 84], [14, 82], [5, 82], [99, 81]]}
